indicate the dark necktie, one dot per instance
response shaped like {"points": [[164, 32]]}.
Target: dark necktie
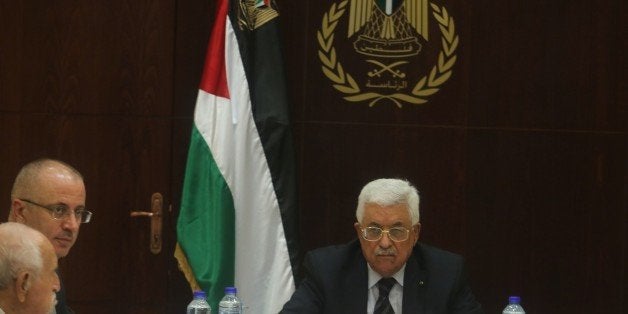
{"points": [[382, 306]]}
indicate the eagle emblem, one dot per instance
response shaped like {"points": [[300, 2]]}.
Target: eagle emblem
{"points": [[388, 28], [255, 13], [390, 36]]}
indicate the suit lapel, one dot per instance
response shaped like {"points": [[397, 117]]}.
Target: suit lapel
{"points": [[414, 283], [356, 277]]}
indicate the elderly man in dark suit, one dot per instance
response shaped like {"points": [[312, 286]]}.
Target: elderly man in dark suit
{"points": [[387, 271]]}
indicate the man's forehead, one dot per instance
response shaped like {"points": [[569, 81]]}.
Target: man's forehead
{"points": [[60, 183], [57, 172]]}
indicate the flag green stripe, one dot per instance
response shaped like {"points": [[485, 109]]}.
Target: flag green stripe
{"points": [[205, 228]]}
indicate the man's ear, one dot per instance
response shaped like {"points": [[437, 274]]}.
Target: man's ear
{"points": [[22, 284], [416, 231], [357, 229], [17, 211]]}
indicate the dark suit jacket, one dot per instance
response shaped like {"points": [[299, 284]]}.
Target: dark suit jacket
{"points": [[336, 281], [61, 307]]}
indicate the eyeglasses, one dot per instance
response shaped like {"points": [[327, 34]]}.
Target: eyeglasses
{"points": [[60, 212], [397, 234]]}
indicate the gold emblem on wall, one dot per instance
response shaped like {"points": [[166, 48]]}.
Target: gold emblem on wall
{"points": [[391, 38]]}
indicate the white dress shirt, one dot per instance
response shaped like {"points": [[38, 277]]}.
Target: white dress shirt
{"points": [[396, 293]]}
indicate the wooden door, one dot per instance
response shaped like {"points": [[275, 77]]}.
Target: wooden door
{"points": [[102, 86]]}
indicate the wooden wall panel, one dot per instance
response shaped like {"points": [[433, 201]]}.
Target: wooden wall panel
{"points": [[553, 217], [89, 57], [538, 65], [524, 147]]}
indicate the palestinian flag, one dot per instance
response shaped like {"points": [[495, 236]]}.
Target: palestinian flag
{"points": [[238, 219]]}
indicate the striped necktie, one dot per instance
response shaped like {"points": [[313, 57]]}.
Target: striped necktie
{"points": [[382, 306]]}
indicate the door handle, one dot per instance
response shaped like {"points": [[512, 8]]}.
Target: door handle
{"points": [[156, 215]]}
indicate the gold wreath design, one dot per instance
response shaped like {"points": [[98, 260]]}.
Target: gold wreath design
{"points": [[426, 86]]}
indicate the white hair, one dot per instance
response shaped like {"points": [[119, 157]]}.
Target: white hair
{"points": [[20, 249], [387, 192]]}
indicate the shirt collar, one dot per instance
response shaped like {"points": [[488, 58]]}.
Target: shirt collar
{"points": [[374, 276]]}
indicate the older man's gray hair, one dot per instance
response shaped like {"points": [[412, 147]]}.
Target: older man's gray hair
{"points": [[19, 250]]}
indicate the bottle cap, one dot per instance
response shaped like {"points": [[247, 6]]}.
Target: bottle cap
{"points": [[200, 294], [231, 290], [513, 299]]}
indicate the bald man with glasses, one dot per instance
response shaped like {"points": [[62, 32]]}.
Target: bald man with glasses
{"points": [[385, 270], [49, 196]]}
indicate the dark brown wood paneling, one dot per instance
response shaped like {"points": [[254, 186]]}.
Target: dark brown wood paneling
{"points": [[545, 65], [91, 83], [90, 58], [551, 216], [524, 147]]}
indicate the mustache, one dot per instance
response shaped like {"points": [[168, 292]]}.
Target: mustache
{"points": [[388, 251], [67, 233]]}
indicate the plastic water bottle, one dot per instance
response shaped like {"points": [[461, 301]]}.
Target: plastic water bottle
{"points": [[230, 304], [199, 304], [513, 306]]}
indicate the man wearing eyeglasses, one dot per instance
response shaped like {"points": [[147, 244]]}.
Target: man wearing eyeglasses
{"points": [[386, 270], [49, 196]]}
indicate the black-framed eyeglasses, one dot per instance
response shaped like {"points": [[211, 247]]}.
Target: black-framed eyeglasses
{"points": [[397, 234], [60, 211]]}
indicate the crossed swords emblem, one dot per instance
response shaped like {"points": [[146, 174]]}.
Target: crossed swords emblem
{"points": [[386, 68]]}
